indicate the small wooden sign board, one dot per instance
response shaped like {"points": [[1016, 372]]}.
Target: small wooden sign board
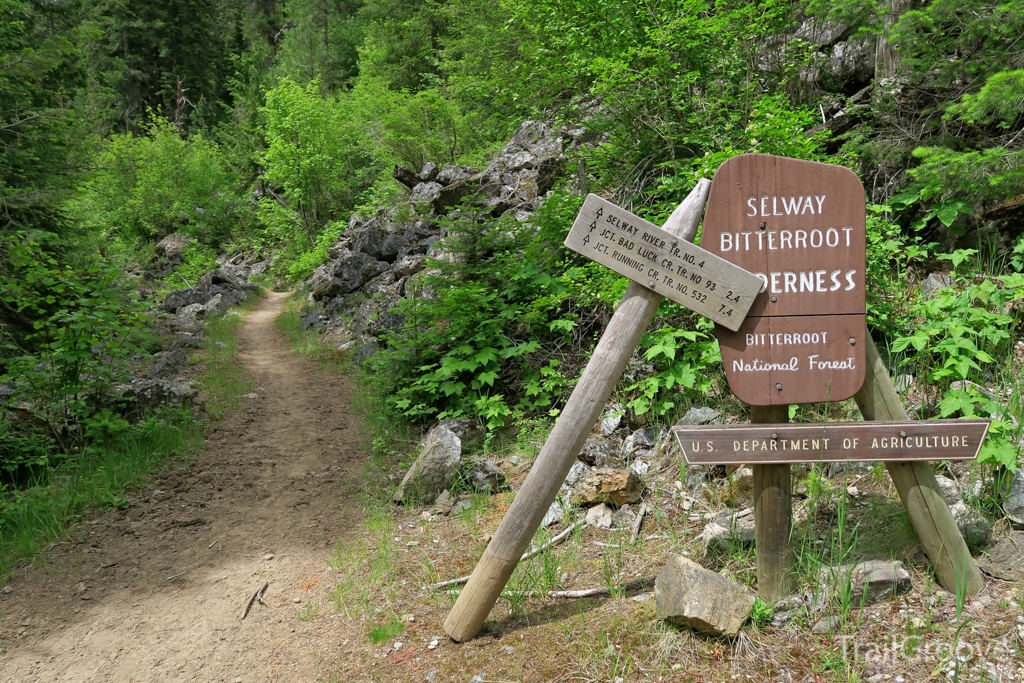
{"points": [[895, 441], [676, 269]]}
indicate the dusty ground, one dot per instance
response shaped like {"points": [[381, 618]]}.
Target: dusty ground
{"points": [[154, 592]]}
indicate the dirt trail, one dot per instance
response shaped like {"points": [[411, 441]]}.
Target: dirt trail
{"points": [[154, 592]]}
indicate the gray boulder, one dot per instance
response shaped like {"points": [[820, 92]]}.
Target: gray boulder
{"points": [[594, 449], [728, 530], [870, 582], [934, 282], [169, 365], [1006, 559], [467, 429], [972, 524], [172, 247], [180, 298], [408, 265], [345, 275], [640, 442], [428, 172], [612, 418], [145, 396], [485, 477], [188, 316], [600, 516], [577, 473], [187, 340], [699, 415], [1013, 503], [435, 470], [556, 512], [425, 193], [370, 241], [450, 175], [687, 594]]}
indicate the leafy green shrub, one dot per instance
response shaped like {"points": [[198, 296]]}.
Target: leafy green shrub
{"points": [[151, 185], [76, 333], [511, 309], [316, 157]]}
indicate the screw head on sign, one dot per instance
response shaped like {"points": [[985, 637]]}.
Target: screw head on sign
{"points": [[778, 386], [762, 225], [774, 299], [675, 242], [774, 436], [651, 284], [853, 341], [903, 434]]}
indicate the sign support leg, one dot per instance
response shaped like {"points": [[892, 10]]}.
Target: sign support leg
{"points": [[772, 517], [581, 411], [932, 520]]}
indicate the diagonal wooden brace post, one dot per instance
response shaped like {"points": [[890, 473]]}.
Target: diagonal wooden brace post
{"points": [[932, 520], [584, 406]]}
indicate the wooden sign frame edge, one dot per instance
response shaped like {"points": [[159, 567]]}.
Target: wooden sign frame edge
{"points": [[837, 426]]}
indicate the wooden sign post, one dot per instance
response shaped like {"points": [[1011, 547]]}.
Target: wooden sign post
{"points": [[800, 226], [606, 365]]}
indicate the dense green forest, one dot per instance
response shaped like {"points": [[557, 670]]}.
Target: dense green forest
{"points": [[263, 125]]}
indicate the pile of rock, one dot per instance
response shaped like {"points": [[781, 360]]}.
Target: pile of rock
{"points": [[377, 260], [215, 292]]}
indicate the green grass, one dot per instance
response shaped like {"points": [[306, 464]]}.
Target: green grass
{"points": [[382, 633], [103, 476]]}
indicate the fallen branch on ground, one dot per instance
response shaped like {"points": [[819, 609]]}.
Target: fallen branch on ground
{"points": [[596, 592], [638, 523], [526, 556], [258, 595]]}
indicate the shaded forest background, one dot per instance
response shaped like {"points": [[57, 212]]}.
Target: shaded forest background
{"points": [[262, 126]]}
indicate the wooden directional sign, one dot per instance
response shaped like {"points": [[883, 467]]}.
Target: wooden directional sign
{"points": [[800, 227], [832, 442], [674, 268]]}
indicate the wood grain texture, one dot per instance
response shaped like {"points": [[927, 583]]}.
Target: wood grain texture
{"points": [[769, 242], [773, 517], [675, 268], [930, 516], [795, 359], [896, 441], [581, 411]]}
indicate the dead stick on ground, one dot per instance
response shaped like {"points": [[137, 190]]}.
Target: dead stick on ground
{"points": [[597, 592], [177, 575], [258, 595], [533, 553], [638, 523]]}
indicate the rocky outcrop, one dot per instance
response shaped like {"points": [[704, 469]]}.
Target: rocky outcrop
{"points": [[378, 261], [145, 396], [215, 292]]}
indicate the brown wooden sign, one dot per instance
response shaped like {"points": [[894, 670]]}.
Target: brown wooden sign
{"points": [[795, 359], [674, 268], [800, 227], [832, 442]]}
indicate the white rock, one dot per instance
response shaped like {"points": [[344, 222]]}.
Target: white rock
{"points": [[600, 516]]}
